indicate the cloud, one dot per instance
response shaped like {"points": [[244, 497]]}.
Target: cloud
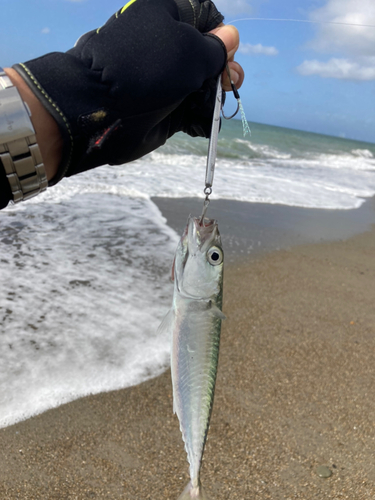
{"points": [[353, 47], [350, 40], [343, 69], [45, 31], [247, 48]]}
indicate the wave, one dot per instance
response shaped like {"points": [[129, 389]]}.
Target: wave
{"points": [[290, 147], [263, 150], [317, 181], [363, 153]]}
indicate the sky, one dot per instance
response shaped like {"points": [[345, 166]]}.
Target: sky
{"points": [[314, 76]]}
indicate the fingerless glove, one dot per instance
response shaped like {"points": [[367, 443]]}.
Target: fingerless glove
{"points": [[128, 86]]}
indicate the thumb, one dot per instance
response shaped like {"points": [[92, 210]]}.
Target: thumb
{"points": [[231, 38]]}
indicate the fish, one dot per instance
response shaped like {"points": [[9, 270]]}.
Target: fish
{"points": [[194, 323]]}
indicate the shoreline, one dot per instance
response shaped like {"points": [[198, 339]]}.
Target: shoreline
{"points": [[252, 229], [294, 388]]}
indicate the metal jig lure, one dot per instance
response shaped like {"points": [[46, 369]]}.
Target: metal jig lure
{"points": [[214, 137]]}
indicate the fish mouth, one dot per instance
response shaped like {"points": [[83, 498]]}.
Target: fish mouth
{"points": [[202, 234], [205, 223]]}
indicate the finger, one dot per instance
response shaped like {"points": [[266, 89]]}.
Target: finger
{"points": [[231, 38], [237, 75]]}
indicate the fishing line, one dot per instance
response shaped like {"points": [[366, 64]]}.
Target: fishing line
{"points": [[301, 21]]}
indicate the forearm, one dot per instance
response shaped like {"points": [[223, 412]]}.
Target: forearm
{"points": [[46, 129]]}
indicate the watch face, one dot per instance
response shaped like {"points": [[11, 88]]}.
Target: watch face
{"points": [[15, 120], [26, 177]]}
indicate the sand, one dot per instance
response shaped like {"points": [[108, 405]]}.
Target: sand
{"points": [[295, 391]]}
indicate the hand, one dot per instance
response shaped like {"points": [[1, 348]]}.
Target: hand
{"points": [[119, 94]]}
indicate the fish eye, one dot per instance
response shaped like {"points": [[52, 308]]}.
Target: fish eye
{"points": [[215, 256]]}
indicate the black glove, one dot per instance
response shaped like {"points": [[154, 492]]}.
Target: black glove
{"points": [[127, 87]]}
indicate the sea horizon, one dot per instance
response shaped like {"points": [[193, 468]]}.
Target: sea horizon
{"points": [[342, 136]]}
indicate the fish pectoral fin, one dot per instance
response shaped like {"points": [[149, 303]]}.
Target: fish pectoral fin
{"points": [[166, 326], [215, 311]]}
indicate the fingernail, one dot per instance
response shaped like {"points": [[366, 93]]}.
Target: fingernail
{"points": [[234, 76]]}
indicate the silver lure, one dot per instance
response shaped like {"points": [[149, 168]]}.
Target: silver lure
{"points": [[195, 323]]}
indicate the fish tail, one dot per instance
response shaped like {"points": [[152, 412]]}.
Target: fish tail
{"points": [[193, 493]]}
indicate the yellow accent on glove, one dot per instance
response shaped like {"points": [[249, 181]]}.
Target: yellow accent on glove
{"points": [[126, 6]]}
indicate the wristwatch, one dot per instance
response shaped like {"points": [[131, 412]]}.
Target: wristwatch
{"points": [[19, 150]]}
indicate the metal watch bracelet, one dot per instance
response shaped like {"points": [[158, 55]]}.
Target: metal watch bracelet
{"points": [[19, 151]]}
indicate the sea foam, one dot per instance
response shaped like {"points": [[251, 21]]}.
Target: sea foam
{"points": [[85, 285]]}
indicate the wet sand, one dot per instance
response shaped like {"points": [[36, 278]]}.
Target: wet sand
{"points": [[252, 229], [295, 391]]}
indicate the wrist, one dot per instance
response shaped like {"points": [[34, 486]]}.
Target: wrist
{"points": [[46, 129]]}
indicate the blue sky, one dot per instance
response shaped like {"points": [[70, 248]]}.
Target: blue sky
{"points": [[316, 77]]}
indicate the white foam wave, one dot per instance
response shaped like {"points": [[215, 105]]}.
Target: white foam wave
{"points": [[363, 153], [319, 180], [263, 150], [86, 285], [347, 162]]}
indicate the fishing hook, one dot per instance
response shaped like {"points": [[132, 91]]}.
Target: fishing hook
{"points": [[236, 95]]}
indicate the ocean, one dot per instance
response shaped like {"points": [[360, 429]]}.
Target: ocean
{"points": [[84, 268]]}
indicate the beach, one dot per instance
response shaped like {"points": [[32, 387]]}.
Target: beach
{"points": [[294, 388]]}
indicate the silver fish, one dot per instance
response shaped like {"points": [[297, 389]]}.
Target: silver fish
{"points": [[194, 322]]}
